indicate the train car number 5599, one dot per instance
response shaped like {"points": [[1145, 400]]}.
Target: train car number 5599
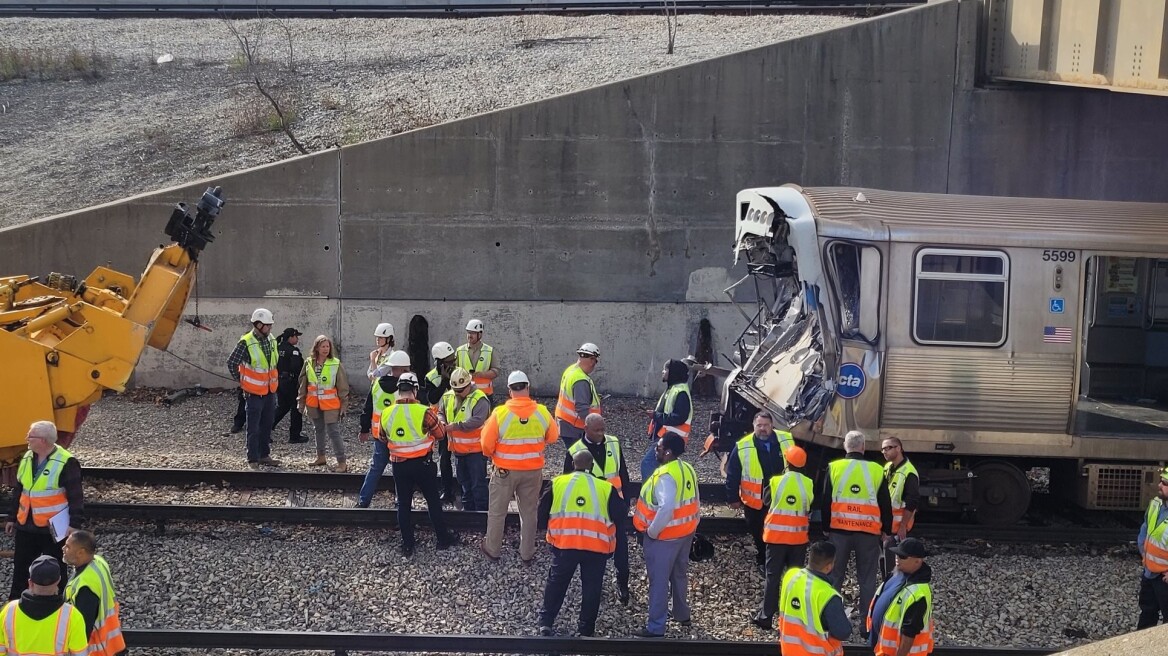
{"points": [[1053, 255]]}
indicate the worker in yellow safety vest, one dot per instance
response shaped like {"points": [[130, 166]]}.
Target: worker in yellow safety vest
{"points": [[900, 618], [463, 410], [812, 619], [479, 358], [253, 363], [857, 515], [673, 414], [580, 510], [41, 622], [381, 396], [608, 464], [752, 462], [578, 397], [91, 591], [904, 490], [787, 498], [1153, 544]]}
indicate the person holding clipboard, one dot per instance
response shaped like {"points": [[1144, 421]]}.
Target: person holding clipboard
{"points": [[47, 504]]}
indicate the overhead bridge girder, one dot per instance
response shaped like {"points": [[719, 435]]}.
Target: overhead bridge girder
{"points": [[1110, 44]]}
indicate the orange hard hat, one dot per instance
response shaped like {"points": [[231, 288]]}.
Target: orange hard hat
{"points": [[795, 456]]}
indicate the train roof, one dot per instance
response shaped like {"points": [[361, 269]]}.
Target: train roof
{"points": [[989, 220]]}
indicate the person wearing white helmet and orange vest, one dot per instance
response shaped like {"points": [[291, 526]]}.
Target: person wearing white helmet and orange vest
{"points": [[379, 357], [437, 383], [253, 364], [479, 358], [578, 397], [463, 410], [515, 437], [381, 397]]}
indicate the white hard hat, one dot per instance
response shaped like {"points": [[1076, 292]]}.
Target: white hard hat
{"points": [[398, 359], [474, 326], [408, 379], [263, 316], [517, 377], [460, 378], [442, 350], [588, 348], [383, 330]]}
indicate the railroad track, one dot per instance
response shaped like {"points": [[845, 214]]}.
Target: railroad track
{"points": [[340, 643], [296, 512], [365, 8]]}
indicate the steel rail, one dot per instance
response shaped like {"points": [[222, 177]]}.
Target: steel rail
{"points": [[496, 644], [161, 514], [366, 8]]}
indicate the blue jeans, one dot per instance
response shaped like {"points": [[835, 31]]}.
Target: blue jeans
{"points": [[649, 463], [471, 469], [376, 471]]}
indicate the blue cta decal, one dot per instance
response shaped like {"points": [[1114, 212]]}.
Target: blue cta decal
{"points": [[851, 381]]}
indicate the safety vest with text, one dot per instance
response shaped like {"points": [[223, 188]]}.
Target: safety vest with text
{"points": [[44, 496], [685, 513], [802, 600], [1156, 540], [612, 455], [788, 519], [381, 401], [61, 633], [565, 406], [888, 643], [579, 516], [106, 638], [477, 368], [854, 484], [322, 392], [458, 410], [259, 376], [401, 425], [896, 480], [521, 441], [670, 397]]}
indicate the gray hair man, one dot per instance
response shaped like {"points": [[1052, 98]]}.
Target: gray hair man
{"points": [[857, 515]]}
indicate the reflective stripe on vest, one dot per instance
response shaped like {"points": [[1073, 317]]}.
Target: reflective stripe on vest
{"points": [[670, 397], [24, 636], [788, 518], [521, 441], [854, 484], [750, 485], [259, 377], [106, 638], [458, 410], [476, 369], [44, 496], [896, 480], [579, 515], [402, 427], [888, 642], [322, 394], [1156, 540], [685, 515], [612, 456], [381, 401], [803, 598], [565, 406]]}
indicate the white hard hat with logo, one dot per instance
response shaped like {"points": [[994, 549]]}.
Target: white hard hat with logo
{"points": [[442, 350], [474, 326], [588, 348], [263, 316], [383, 330], [460, 378]]}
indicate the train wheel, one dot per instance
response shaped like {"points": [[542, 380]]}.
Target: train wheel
{"points": [[1001, 493]]}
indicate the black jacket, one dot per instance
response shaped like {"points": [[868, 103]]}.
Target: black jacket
{"points": [[883, 499], [616, 506], [38, 607], [914, 615], [87, 603], [71, 481], [772, 465], [291, 361]]}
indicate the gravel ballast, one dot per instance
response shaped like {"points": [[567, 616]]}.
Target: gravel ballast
{"points": [[140, 126], [281, 577]]}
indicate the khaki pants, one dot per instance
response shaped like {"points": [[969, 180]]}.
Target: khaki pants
{"points": [[524, 487]]}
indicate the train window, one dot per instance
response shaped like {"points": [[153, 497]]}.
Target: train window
{"points": [[961, 297], [856, 278]]}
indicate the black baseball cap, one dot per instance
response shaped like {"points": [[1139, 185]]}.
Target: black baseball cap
{"points": [[910, 548], [45, 570], [290, 332]]}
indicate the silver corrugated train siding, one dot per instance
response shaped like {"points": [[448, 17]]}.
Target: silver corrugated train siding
{"points": [[977, 390]]}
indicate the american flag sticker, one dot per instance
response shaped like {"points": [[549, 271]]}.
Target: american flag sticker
{"points": [[1052, 335]]}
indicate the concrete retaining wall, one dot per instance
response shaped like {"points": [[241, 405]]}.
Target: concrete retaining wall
{"points": [[607, 215]]}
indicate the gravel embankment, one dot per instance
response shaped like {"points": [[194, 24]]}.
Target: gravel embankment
{"points": [[142, 126], [239, 576]]}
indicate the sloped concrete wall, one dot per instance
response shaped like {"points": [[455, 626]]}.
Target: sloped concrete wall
{"points": [[607, 215]]}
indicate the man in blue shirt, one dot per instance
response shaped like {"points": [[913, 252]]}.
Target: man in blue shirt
{"points": [[1153, 543]]}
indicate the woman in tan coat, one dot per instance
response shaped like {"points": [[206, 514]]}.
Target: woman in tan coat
{"points": [[323, 398]]}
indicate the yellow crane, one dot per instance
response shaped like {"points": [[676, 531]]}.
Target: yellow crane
{"points": [[64, 341]]}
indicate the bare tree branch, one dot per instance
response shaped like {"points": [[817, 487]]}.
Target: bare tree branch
{"points": [[670, 23], [250, 50]]}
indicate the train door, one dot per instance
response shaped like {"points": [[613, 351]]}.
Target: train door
{"points": [[1123, 388]]}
